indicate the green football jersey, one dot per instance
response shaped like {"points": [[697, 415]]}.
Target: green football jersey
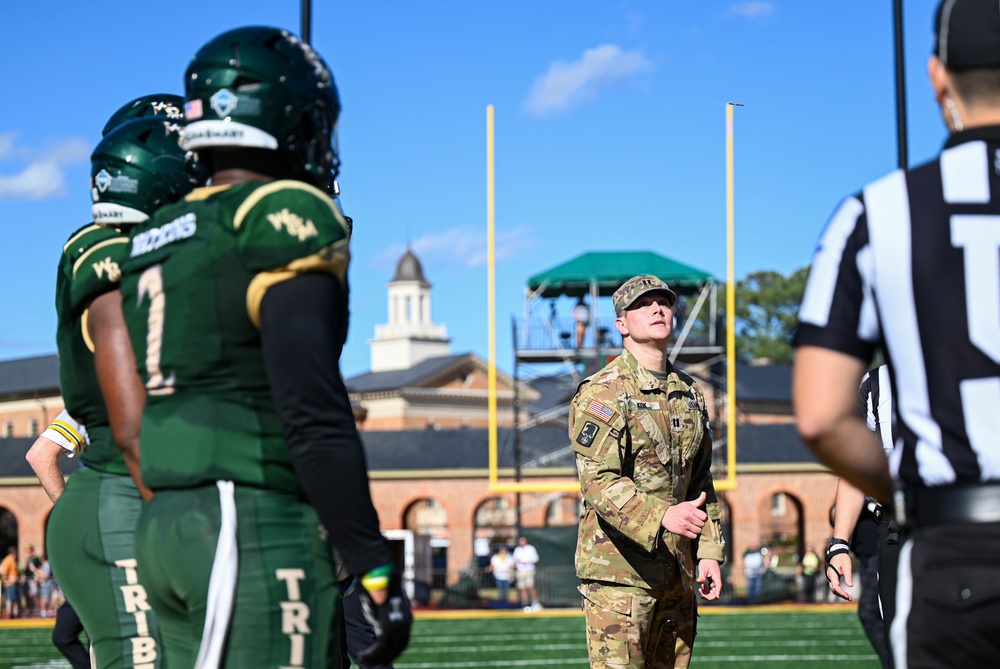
{"points": [[89, 267], [192, 286]]}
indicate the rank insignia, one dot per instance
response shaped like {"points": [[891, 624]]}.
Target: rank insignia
{"points": [[587, 434], [676, 424]]}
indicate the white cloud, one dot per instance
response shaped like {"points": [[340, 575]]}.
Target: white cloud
{"points": [[462, 246], [753, 9], [567, 84], [6, 144], [42, 171]]}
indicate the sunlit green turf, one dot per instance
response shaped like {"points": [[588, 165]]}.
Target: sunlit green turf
{"points": [[755, 638], [749, 638]]}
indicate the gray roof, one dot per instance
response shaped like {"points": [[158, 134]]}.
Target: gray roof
{"points": [[429, 450], [554, 391], [409, 269], [12, 462], [369, 382], [764, 383], [461, 449], [26, 376], [545, 447], [771, 444]]}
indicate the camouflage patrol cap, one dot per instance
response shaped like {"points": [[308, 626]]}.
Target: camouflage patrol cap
{"points": [[638, 286]]}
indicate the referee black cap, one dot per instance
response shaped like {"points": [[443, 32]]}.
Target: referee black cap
{"points": [[967, 34]]}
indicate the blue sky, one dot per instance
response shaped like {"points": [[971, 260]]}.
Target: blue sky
{"points": [[610, 133]]}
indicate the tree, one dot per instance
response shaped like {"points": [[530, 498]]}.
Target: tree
{"points": [[767, 306]]}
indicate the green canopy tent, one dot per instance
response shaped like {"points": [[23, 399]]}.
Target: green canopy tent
{"points": [[542, 336], [607, 270]]}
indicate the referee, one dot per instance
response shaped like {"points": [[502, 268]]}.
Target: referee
{"points": [[913, 263], [874, 537]]}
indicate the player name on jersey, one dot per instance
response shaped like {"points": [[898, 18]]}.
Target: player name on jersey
{"points": [[181, 227]]}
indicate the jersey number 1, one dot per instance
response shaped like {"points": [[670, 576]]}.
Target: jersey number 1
{"points": [[151, 286]]}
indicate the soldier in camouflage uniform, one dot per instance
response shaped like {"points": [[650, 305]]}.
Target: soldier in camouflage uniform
{"points": [[643, 452]]}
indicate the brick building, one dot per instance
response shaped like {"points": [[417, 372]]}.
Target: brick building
{"points": [[422, 415]]}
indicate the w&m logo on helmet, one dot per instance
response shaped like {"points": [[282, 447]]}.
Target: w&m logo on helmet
{"points": [[102, 180], [223, 102]]}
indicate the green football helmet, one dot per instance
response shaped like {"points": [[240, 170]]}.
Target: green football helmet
{"points": [[157, 104], [136, 168], [264, 88]]}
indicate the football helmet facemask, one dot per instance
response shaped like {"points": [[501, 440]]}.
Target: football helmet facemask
{"points": [[264, 88], [136, 168], [157, 104]]}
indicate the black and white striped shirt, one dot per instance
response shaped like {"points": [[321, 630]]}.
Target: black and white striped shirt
{"points": [[913, 262], [875, 405]]}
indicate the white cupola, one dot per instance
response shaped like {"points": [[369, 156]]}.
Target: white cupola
{"points": [[410, 336]]}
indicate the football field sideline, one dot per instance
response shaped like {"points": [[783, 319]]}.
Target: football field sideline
{"points": [[809, 637]]}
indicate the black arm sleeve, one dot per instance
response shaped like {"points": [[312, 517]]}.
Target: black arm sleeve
{"points": [[301, 326]]}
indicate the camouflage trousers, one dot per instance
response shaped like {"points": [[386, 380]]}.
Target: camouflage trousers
{"points": [[635, 628]]}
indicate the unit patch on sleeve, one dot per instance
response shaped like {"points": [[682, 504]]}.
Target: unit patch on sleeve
{"points": [[587, 434], [600, 411]]}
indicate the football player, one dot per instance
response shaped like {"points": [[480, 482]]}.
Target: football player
{"points": [[236, 303], [137, 167]]}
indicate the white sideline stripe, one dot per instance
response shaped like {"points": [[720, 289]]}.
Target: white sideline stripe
{"points": [[861, 643], [567, 661], [817, 633], [495, 663], [575, 634], [808, 642], [491, 649], [785, 658]]}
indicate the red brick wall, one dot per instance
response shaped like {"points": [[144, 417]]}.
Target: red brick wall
{"points": [[30, 506], [748, 508]]}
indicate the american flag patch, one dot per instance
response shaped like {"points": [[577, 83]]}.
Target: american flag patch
{"points": [[193, 109], [600, 411]]}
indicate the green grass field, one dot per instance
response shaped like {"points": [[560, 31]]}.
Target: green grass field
{"points": [[727, 638]]}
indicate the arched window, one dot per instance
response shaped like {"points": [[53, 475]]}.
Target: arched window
{"points": [[8, 531], [565, 510], [496, 522]]}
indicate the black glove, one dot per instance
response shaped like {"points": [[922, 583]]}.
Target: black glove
{"points": [[390, 620]]}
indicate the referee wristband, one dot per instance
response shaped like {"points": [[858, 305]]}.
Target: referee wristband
{"points": [[837, 547]]}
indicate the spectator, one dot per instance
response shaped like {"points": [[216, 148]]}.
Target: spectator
{"points": [[525, 559], [753, 569], [809, 570], [501, 565], [45, 583], [30, 577], [9, 575]]}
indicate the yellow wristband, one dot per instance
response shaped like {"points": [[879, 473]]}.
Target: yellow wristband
{"points": [[377, 579]]}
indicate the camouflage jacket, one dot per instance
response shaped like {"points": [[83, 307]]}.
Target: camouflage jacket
{"points": [[641, 446]]}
